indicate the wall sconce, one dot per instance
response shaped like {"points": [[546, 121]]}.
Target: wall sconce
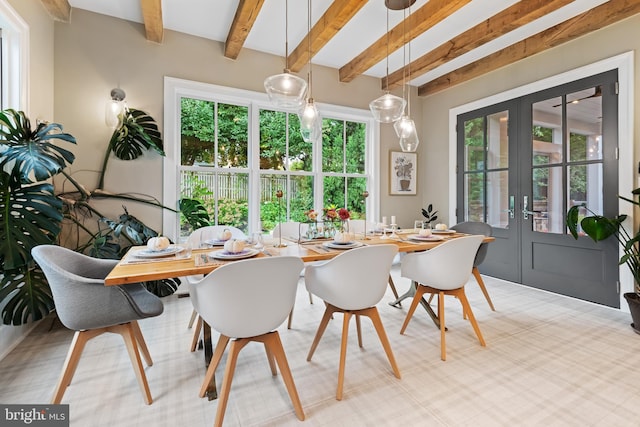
{"points": [[114, 108]]}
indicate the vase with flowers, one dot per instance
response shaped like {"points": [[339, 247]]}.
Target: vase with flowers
{"points": [[330, 217], [312, 230]]}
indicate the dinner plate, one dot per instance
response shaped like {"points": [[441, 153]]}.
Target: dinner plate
{"points": [[216, 242], [336, 245], [425, 238], [443, 231], [148, 253], [222, 254]]}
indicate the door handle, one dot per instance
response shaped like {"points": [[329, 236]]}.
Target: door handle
{"points": [[525, 211], [511, 210]]}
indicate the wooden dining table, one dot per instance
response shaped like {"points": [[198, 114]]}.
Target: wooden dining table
{"points": [[134, 269]]}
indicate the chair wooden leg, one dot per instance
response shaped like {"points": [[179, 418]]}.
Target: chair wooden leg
{"points": [[377, 323], [443, 344], [196, 334], [420, 291], [213, 364], [328, 312], [273, 342], [359, 330], [194, 314], [223, 397], [126, 330], [393, 288], [80, 339], [476, 274], [142, 345], [343, 353], [270, 358], [467, 309], [290, 317]]}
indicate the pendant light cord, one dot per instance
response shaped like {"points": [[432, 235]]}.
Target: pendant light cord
{"points": [[286, 35], [409, 72], [404, 54], [309, 45], [386, 83]]}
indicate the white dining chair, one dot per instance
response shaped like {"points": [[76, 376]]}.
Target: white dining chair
{"points": [[352, 283], [473, 227], [246, 301], [443, 270], [194, 240], [291, 230]]}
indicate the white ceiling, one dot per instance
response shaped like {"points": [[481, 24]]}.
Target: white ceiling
{"points": [[212, 19]]}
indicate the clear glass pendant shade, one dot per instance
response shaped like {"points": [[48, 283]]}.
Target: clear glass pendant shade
{"points": [[310, 122], [286, 90], [387, 108], [406, 131]]}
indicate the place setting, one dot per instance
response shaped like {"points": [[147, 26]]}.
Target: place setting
{"points": [[341, 241], [158, 249]]}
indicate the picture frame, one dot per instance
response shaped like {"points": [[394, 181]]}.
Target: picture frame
{"points": [[403, 173]]}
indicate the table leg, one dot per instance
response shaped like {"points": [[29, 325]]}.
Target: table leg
{"points": [[212, 392]]}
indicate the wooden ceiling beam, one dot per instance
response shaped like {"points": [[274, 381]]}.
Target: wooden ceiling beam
{"points": [[509, 19], [152, 16], [599, 17], [417, 23], [246, 15], [334, 19], [60, 10]]}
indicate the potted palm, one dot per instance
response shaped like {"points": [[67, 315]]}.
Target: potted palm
{"points": [[599, 228]]}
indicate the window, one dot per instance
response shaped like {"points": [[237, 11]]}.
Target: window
{"points": [[233, 151], [14, 54]]}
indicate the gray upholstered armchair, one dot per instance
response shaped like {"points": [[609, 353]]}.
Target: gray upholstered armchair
{"points": [[84, 304]]}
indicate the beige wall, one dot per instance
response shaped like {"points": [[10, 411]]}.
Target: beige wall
{"points": [[95, 53], [597, 46]]}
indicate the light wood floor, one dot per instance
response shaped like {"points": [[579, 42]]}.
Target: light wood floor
{"points": [[549, 361]]}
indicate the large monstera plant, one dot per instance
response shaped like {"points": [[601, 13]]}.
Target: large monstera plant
{"points": [[31, 213]]}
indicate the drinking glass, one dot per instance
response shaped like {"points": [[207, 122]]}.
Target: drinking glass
{"points": [[185, 252], [258, 241], [206, 236], [418, 225]]}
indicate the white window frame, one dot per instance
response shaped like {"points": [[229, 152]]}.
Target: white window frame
{"points": [[175, 89], [15, 59]]}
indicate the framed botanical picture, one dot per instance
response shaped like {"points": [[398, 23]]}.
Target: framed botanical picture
{"points": [[403, 173]]}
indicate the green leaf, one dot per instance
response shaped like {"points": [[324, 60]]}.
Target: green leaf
{"points": [[598, 227], [138, 133], [572, 220], [36, 157], [31, 216], [26, 296], [194, 213]]}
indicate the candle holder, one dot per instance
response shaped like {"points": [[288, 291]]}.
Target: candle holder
{"points": [[280, 243], [365, 194]]}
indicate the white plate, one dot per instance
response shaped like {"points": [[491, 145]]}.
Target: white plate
{"points": [[425, 238], [222, 254], [443, 231], [148, 253], [216, 242], [334, 245]]}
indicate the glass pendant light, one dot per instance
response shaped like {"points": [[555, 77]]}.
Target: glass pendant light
{"points": [[405, 127], [310, 120], [387, 108], [286, 90]]}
